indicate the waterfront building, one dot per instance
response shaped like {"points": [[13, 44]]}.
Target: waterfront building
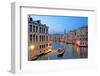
{"points": [[57, 37], [37, 38], [78, 36], [70, 37], [82, 36]]}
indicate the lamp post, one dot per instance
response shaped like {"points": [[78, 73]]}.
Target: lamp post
{"points": [[31, 47]]}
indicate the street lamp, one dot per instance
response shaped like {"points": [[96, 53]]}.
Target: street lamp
{"points": [[31, 47]]}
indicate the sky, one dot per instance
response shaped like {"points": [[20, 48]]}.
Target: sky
{"points": [[57, 24]]}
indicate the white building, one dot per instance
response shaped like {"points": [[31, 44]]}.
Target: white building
{"points": [[37, 38], [78, 36], [82, 36]]}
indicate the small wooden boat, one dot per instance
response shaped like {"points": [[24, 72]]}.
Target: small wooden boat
{"points": [[34, 58], [60, 52]]}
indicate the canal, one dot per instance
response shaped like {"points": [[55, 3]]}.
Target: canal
{"points": [[71, 52]]}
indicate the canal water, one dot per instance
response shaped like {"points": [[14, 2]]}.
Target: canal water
{"points": [[71, 52]]}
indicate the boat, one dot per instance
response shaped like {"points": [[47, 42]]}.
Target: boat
{"points": [[60, 52], [35, 58]]}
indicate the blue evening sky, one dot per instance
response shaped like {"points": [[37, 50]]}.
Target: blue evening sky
{"points": [[57, 24]]}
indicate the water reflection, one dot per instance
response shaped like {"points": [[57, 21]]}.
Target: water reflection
{"points": [[71, 52]]}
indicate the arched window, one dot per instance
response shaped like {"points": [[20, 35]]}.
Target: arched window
{"points": [[36, 28], [36, 38], [46, 38], [44, 30], [31, 37], [40, 46], [44, 45], [40, 38], [30, 28], [33, 28], [40, 30]]}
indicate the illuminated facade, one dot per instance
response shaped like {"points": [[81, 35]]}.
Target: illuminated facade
{"points": [[37, 38], [82, 36], [78, 36]]}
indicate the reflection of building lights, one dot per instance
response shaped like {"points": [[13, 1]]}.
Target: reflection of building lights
{"points": [[78, 42], [31, 47]]}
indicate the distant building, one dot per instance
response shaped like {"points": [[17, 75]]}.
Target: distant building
{"points": [[78, 36], [70, 37], [56, 37], [37, 38], [82, 36]]}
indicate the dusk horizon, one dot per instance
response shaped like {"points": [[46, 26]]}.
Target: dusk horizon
{"points": [[55, 23]]}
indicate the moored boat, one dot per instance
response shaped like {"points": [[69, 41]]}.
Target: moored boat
{"points": [[60, 52]]}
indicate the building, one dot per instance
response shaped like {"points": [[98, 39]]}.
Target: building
{"points": [[78, 36], [37, 38], [82, 36], [70, 37], [56, 37]]}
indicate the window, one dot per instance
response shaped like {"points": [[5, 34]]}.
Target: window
{"points": [[30, 28], [40, 46], [44, 30], [40, 38], [40, 30], [46, 38], [36, 28], [30, 37], [46, 45], [33, 28], [33, 37], [36, 38]]}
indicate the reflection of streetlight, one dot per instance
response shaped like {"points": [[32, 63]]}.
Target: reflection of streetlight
{"points": [[31, 47]]}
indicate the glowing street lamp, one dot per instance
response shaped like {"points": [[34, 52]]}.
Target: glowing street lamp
{"points": [[31, 47]]}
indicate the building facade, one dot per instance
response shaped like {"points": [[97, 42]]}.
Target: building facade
{"points": [[82, 36], [78, 36], [71, 37], [37, 38]]}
